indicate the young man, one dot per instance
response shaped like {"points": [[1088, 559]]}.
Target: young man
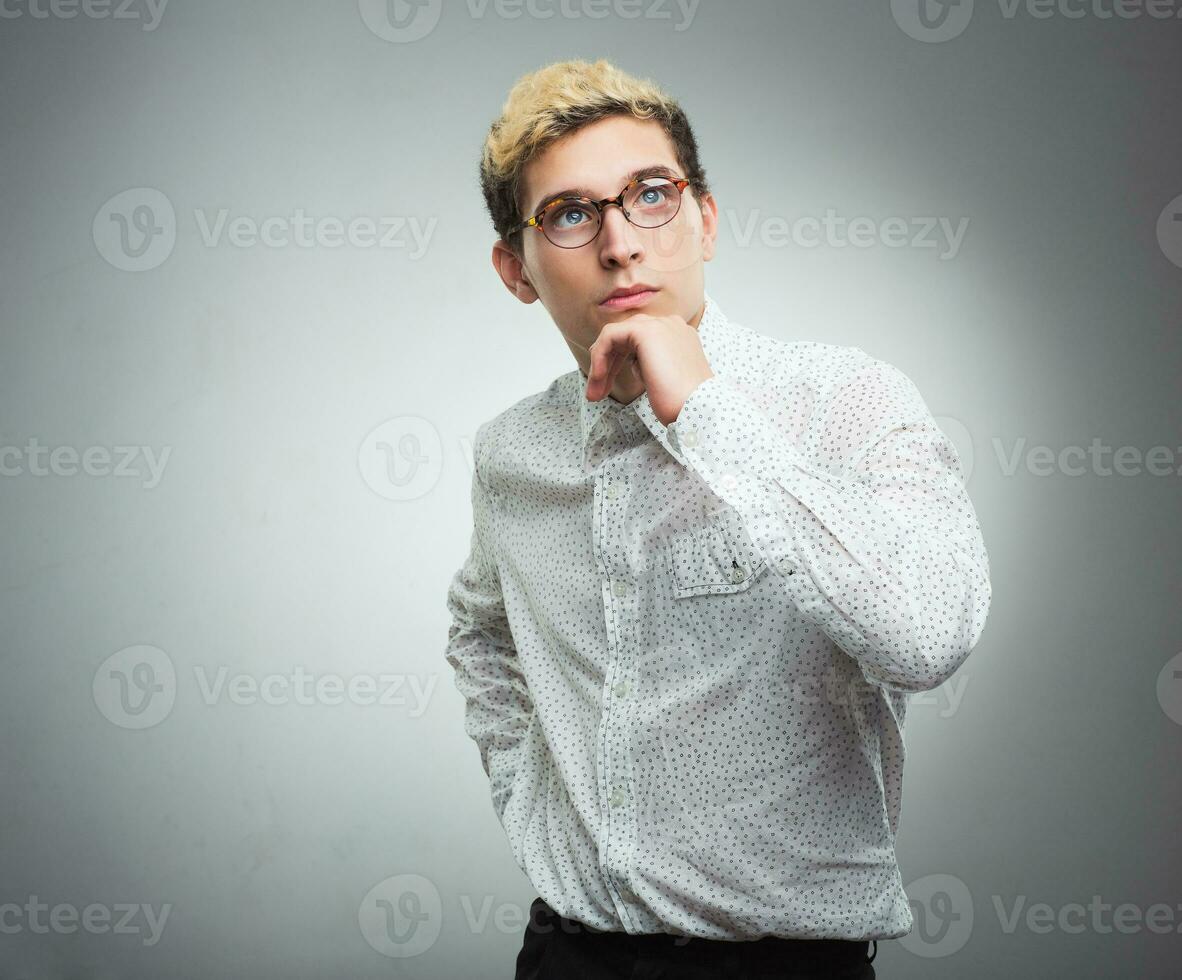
{"points": [[707, 568]]}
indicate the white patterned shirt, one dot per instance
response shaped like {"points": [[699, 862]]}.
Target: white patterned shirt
{"points": [[686, 651]]}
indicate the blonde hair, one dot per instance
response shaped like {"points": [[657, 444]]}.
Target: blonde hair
{"points": [[548, 104]]}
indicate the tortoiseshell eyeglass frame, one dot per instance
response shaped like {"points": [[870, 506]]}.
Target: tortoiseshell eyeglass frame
{"points": [[536, 221]]}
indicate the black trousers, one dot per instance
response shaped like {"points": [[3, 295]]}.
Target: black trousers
{"points": [[558, 948]]}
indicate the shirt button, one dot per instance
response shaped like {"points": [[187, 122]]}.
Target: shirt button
{"points": [[689, 438], [617, 797], [620, 588], [621, 689], [612, 491], [738, 574]]}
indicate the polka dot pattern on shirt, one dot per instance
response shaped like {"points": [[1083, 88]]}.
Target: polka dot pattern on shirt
{"points": [[686, 651]]}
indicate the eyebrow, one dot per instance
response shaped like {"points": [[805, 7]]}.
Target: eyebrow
{"points": [[649, 171]]}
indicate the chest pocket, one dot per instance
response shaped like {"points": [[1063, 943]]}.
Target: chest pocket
{"points": [[715, 559]]}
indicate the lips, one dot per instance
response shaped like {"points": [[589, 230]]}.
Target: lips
{"points": [[629, 297]]}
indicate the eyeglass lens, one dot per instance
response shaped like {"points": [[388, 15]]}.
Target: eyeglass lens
{"points": [[649, 203]]}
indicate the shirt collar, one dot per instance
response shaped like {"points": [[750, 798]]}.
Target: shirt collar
{"points": [[638, 414]]}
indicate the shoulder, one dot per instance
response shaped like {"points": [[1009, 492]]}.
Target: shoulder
{"points": [[836, 372], [543, 412], [760, 358], [842, 394]]}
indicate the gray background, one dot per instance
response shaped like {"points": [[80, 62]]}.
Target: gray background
{"points": [[318, 403]]}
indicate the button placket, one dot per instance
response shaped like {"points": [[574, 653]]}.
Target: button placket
{"points": [[620, 598]]}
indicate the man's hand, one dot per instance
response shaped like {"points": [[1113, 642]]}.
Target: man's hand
{"points": [[667, 353]]}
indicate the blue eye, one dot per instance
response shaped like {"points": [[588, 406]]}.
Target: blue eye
{"points": [[564, 218]]}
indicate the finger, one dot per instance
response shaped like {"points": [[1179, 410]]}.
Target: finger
{"points": [[613, 368], [626, 360], [596, 352], [609, 352], [599, 380], [603, 352], [632, 366]]}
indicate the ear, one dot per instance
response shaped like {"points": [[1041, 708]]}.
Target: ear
{"points": [[709, 226], [512, 272]]}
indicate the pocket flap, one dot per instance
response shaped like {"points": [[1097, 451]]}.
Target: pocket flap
{"points": [[715, 559]]}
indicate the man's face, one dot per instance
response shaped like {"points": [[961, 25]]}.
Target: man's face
{"points": [[573, 282]]}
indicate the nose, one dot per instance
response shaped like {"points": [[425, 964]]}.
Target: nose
{"points": [[619, 242]]}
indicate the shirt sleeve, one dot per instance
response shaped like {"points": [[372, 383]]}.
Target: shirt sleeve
{"points": [[880, 547], [480, 648]]}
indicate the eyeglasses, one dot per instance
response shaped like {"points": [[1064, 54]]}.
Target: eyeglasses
{"points": [[647, 202]]}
